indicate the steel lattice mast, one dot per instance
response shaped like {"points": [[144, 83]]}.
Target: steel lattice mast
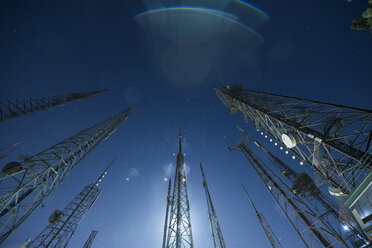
{"points": [[179, 229], [63, 224], [90, 240], [323, 204], [25, 185], [274, 241], [334, 140], [20, 107], [301, 213], [169, 200], [218, 240]]}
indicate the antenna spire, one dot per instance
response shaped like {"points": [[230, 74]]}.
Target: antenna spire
{"points": [[179, 141]]}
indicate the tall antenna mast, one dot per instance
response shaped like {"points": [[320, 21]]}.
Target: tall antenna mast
{"points": [[218, 240], [179, 230], [333, 140], [302, 216], [90, 240], [20, 107], [25, 185], [169, 200], [304, 187], [274, 241], [63, 224]]}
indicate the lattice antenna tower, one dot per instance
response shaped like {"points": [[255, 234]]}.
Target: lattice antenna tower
{"points": [[300, 214], [333, 140], [304, 187], [274, 241], [169, 200], [63, 224], [25, 185], [179, 229], [90, 240], [218, 240], [20, 107]]}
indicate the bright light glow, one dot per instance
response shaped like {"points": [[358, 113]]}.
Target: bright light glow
{"points": [[281, 148], [183, 179], [105, 172], [96, 184], [103, 176], [301, 163], [275, 143], [127, 179], [346, 228], [288, 140], [99, 180], [293, 157], [271, 140], [165, 179], [265, 136], [261, 133], [286, 152]]}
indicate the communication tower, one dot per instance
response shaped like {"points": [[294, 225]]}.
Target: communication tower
{"points": [[20, 107], [303, 186], [25, 185], [274, 241], [299, 212], [218, 240], [169, 200], [333, 140], [63, 224], [179, 228], [90, 240]]}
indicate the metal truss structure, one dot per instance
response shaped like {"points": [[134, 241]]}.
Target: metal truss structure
{"points": [[25, 185], [20, 107], [90, 240], [324, 205], [169, 200], [179, 229], [218, 240], [63, 224], [313, 229], [333, 140], [274, 241]]}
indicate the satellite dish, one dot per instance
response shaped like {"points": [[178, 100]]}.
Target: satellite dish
{"points": [[288, 140]]}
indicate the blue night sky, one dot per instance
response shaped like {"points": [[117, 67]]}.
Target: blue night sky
{"points": [[169, 61]]}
